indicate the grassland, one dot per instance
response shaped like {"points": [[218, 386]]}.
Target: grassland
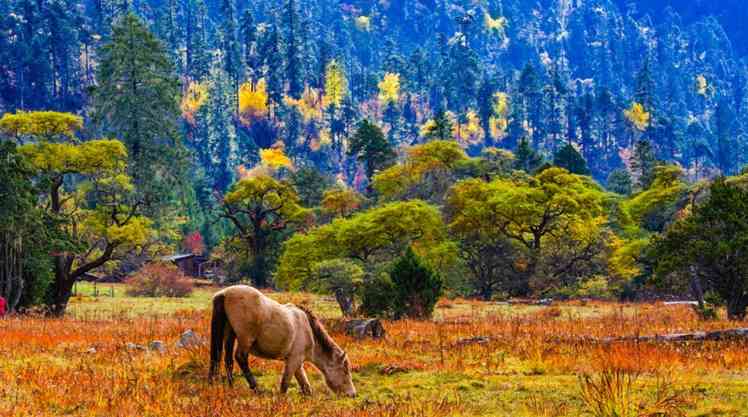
{"points": [[472, 359]]}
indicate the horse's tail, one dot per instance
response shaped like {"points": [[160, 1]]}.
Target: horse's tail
{"points": [[218, 325]]}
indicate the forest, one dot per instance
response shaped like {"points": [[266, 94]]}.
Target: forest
{"points": [[514, 148]]}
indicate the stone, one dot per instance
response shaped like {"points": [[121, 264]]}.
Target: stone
{"points": [[158, 346], [189, 339]]}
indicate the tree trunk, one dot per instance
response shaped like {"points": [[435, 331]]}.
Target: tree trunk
{"points": [[736, 309], [345, 301]]}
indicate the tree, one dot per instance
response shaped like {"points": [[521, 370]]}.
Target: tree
{"points": [[553, 222], [369, 145], [341, 277], [259, 208], [389, 89], [99, 218], [417, 287], [310, 185], [619, 181], [137, 99], [25, 235], [341, 202], [643, 164], [336, 84], [373, 237], [438, 128], [526, 159], [427, 172], [569, 158], [707, 247]]}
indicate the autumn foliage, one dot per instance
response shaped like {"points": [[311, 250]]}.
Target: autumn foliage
{"points": [[159, 280]]}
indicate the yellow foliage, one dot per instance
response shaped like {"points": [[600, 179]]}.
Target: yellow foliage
{"points": [[341, 201], [253, 101], [193, 99], [494, 24], [85, 158], [623, 263], [389, 88], [469, 132], [275, 158], [41, 124], [638, 116], [336, 84], [702, 86], [309, 104], [363, 23]]}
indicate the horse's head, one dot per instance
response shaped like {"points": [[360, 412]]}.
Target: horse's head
{"points": [[337, 371]]}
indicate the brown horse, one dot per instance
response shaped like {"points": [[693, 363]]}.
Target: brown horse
{"points": [[269, 330]]}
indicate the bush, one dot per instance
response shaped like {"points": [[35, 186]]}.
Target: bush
{"points": [[377, 296], [417, 287], [159, 280]]}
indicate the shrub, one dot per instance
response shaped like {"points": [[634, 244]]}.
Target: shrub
{"points": [[377, 296], [159, 280], [417, 287]]}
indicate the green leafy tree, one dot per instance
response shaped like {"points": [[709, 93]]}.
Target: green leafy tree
{"points": [[551, 223], [86, 192], [373, 237], [341, 277], [260, 208], [705, 251], [643, 164]]}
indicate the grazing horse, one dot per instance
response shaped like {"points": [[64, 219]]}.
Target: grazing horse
{"points": [[269, 330]]}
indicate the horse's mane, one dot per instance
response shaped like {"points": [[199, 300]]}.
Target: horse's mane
{"points": [[321, 336]]}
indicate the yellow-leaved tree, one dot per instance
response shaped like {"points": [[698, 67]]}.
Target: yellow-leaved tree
{"points": [[253, 101], [259, 208], [86, 192], [336, 84], [193, 99], [499, 121], [638, 116], [389, 88]]}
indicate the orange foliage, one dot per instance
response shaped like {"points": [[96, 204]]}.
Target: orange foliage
{"points": [[82, 367]]}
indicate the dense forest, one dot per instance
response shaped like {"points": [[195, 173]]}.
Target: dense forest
{"points": [[519, 147]]}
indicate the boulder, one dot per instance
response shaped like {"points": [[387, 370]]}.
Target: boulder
{"points": [[363, 328], [189, 339]]}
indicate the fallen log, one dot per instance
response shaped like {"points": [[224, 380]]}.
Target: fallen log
{"points": [[727, 334]]}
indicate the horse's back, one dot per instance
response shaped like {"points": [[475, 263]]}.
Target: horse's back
{"points": [[262, 325]]}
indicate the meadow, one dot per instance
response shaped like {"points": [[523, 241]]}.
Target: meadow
{"points": [[472, 359]]}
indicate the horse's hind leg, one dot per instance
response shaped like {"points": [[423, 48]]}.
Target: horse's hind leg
{"points": [[229, 358], [242, 358], [303, 381]]}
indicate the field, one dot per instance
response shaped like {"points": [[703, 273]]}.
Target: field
{"points": [[472, 359]]}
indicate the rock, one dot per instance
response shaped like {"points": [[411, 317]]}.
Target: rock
{"points": [[189, 339], [91, 350], [134, 346], [545, 302], [361, 329], [157, 345]]}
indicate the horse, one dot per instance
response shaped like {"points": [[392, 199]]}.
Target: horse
{"points": [[269, 330]]}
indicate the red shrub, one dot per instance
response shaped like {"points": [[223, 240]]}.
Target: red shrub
{"points": [[159, 280]]}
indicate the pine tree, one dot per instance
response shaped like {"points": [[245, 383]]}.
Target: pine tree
{"points": [[526, 159], [568, 157], [369, 145], [643, 164], [293, 65], [136, 100]]}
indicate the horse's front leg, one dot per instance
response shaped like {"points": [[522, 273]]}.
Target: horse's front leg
{"points": [[293, 364], [303, 381], [242, 358]]}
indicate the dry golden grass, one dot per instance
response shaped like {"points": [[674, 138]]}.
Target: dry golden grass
{"points": [[473, 359]]}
